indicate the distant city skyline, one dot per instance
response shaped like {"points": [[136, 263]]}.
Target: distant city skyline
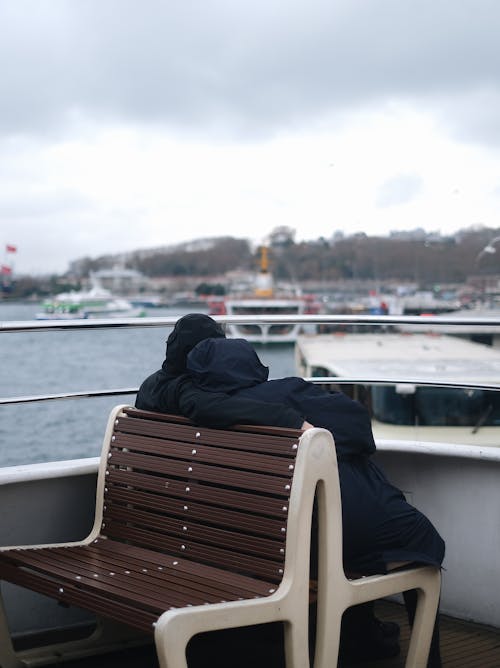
{"points": [[8, 265]]}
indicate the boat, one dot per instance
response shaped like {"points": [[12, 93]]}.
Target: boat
{"points": [[420, 302], [489, 333], [414, 409], [147, 301], [455, 484], [263, 299], [98, 302]]}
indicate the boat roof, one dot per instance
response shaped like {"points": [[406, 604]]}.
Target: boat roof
{"points": [[264, 303], [385, 355], [455, 328]]}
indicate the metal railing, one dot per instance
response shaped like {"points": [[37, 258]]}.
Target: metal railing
{"points": [[385, 321], [169, 321]]}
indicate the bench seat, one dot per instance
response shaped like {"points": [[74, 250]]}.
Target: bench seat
{"points": [[130, 584], [186, 518]]}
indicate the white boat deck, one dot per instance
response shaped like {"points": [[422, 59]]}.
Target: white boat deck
{"points": [[452, 484]]}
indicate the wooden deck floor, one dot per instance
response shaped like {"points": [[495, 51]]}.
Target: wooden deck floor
{"points": [[463, 645]]}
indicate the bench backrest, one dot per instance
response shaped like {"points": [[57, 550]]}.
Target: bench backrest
{"points": [[215, 496]]}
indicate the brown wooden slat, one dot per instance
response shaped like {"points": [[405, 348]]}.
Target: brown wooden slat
{"points": [[94, 578], [268, 431], [204, 453], [89, 600], [203, 472], [153, 590], [101, 558], [140, 414], [126, 586], [198, 512], [179, 577], [276, 445], [185, 454], [183, 565], [188, 549], [234, 540], [224, 498], [148, 590]]}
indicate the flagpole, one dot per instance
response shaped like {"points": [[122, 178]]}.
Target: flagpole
{"points": [[7, 268], [4, 264]]}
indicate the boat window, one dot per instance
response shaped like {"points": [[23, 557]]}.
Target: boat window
{"points": [[391, 406], [266, 310], [437, 406], [247, 330], [320, 372], [280, 329]]}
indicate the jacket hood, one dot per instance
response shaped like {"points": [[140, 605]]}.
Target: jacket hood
{"points": [[188, 331], [225, 365]]}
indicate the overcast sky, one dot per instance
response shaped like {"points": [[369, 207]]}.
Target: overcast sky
{"points": [[130, 124]]}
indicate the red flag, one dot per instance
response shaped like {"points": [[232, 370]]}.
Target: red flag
{"points": [[10, 249], [5, 270]]}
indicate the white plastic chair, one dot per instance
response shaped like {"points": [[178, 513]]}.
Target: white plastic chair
{"points": [[336, 592], [316, 471]]}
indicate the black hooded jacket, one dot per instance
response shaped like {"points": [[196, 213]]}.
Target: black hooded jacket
{"points": [[171, 389], [380, 526], [232, 366]]}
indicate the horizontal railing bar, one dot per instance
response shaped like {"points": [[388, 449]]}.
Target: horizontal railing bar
{"points": [[324, 380], [165, 321], [169, 321], [67, 395], [97, 323], [343, 380]]}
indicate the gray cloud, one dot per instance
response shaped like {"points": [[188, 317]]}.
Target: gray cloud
{"points": [[241, 68], [40, 204], [399, 190], [471, 116]]}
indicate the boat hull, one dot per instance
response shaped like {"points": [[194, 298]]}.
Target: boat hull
{"points": [[264, 333], [261, 332]]}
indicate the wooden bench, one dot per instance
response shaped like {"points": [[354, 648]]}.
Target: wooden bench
{"points": [[211, 522], [200, 529]]}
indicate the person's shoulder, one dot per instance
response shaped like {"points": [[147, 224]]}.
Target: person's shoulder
{"points": [[292, 383], [153, 378], [148, 389]]}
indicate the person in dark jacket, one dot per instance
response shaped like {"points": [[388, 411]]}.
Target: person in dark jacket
{"points": [[381, 530], [380, 527], [171, 389]]}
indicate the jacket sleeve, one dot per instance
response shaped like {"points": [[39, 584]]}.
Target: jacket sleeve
{"points": [[153, 393], [217, 409]]}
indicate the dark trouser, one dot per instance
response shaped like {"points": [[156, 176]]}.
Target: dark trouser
{"points": [[356, 624]]}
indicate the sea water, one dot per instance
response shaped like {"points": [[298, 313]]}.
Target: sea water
{"points": [[53, 362]]}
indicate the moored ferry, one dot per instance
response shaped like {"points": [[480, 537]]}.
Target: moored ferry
{"points": [[265, 299], [98, 302]]}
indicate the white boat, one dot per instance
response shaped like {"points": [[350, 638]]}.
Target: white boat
{"points": [[98, 302], [265, 299], [489, 334], [454, 484], [414, 410]]}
